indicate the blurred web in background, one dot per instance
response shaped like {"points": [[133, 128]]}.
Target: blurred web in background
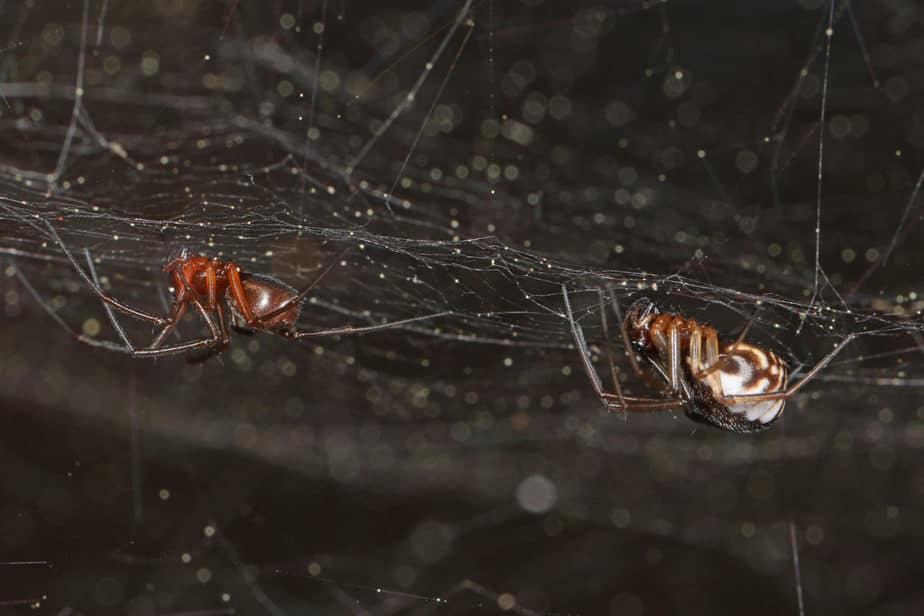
{"points": [[472, 157]]}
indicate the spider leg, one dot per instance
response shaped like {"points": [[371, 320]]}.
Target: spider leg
{"points": [[718, 360], [202, 343], [702, 368], [673, 357], [578, 334], [217, 338], [180, 302], [349, 329], [219, 331], [102, 295], [789, 392], [219, 346], [642, 405], [668, 346], [714, 360], [237, 293], [109, 311], [695, 354], [616, 401], [222, 328], [166, 307], [184, 296], [608, 344], [104, 344], [640, 372]]}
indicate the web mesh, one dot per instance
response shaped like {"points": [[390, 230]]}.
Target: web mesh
{"points": [[458, 162]]}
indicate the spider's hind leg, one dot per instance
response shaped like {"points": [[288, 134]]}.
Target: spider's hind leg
{"points": [[94, 286], [129, 347], [609, 400], [50, 311], [607, 343]]}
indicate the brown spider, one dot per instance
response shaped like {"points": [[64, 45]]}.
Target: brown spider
{"points": [[255, 301], [733, 386]]}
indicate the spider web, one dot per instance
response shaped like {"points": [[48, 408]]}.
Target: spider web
{"points": [[458, 162]]}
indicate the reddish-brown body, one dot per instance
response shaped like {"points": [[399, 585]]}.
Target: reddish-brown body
{"points": [[258, 302], [255, 301]]}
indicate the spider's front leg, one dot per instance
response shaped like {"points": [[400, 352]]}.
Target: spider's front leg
{"points": [[713, 360], [239, 297], [180, 302], [668, 345], [184, 295]]}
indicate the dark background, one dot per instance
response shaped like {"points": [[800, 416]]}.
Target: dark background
{"points": [[460, 465]]}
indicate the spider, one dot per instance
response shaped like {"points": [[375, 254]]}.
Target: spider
{"points": [[733, 386], [255, 302]]}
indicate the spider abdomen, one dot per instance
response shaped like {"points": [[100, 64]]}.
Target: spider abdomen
{"points": [[750, 371], [265, 295], [742, 370]]}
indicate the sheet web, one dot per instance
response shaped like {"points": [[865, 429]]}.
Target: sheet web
{"points": [[463, 161]]}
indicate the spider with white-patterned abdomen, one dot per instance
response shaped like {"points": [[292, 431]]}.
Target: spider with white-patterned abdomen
{"points": [[734, 386]]}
